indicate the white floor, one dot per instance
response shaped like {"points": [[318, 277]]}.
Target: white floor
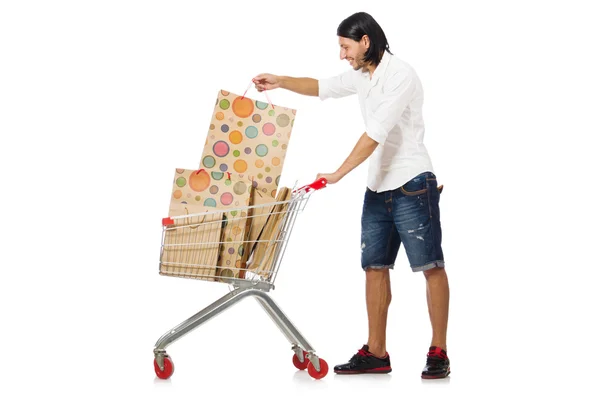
{"points": [[242, 352], [95, 336]]}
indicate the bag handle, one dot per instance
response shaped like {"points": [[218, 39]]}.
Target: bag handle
{"points": [[187, 212], [202, 169], [264, 92]]}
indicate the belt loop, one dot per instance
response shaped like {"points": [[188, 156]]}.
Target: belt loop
{"points": [[386, 198]]}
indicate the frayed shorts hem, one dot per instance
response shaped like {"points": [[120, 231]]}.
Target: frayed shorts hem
{"points": [[378, 267], [428, 266]]}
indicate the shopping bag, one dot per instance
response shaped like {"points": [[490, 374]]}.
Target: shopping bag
{"points": [[263, 255], [198, 189], [249, 138], [195, 190], [191, 246]]}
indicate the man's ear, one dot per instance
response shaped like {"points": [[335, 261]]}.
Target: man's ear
{"points": [[366, 41]]}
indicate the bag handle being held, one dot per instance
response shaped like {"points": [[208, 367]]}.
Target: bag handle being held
{"points": [[264, 92]]}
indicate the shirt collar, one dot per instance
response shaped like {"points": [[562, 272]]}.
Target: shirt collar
{"points": [[380, 69]]}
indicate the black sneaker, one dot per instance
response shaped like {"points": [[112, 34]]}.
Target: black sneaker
{"points": [[364, 362], [438, 364]]}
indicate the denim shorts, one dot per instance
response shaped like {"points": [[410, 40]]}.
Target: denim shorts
{"points": [[409, 215]]}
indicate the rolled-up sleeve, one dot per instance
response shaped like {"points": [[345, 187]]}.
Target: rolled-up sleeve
{"points": [[338, 86], [389, 111]]}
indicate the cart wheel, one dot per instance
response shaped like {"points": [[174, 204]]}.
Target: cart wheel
{"points": [[169, 368], [313, 372], [298, 364]]}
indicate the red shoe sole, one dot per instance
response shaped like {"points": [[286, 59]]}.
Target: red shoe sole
{"points": [[370, 371]]}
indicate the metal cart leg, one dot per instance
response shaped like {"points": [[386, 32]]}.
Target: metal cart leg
{"points": [[224, 303], [290, 331], [196, 320], [280, 319], [212, 310]]}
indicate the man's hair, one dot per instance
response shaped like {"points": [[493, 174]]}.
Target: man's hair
{"points": [[356, 26]]}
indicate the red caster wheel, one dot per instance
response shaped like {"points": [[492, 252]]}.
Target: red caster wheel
{"points": [[300, 365], [313, 372], [168, 371]]}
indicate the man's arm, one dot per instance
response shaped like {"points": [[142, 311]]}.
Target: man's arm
{"points": [[299, 85], [334, 87], [379, 124], [362, 150]]}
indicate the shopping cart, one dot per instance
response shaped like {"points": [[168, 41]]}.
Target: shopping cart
{"points": [[215, 246]]}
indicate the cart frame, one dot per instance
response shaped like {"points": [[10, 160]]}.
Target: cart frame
{"points": [[304, 354]]}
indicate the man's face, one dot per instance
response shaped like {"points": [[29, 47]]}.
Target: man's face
{"points": [[354, 51]]}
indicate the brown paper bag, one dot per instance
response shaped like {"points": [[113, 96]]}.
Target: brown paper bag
{"points": [[263, 255], [203, 189], [234, 250], [195, 190], [249, 138], [191, 247]]}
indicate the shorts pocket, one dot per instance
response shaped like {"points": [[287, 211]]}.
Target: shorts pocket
{"points": [[414, 187]]}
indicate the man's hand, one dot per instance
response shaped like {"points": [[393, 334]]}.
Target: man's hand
{"points": [[331, 178], [266, 81]]}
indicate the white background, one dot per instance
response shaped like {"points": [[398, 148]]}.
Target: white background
{"points": [[101, 101]]}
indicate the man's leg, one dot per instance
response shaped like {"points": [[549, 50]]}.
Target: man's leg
{"points": [[379, 246], [417, 217], [438, 298], [373, 358], [379, 296]]}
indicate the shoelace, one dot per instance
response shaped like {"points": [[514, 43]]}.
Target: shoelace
{"points": [[434, 360], [359, 357]]}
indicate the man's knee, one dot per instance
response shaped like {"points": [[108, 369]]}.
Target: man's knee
{"points": [[374, 272], [436, 271]]}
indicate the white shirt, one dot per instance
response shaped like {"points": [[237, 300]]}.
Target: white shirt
{"points": [[391, 103]]}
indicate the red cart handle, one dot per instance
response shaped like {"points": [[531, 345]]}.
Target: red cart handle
{"points": [[316, 185]]}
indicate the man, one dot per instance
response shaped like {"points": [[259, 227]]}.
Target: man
{"points": [[402, 196]]}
